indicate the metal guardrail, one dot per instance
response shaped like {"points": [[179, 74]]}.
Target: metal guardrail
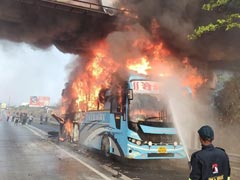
{"points": [[235, 160], [83, 7], [89, 6], [235, 166]]}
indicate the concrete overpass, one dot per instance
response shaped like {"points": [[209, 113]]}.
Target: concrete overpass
{"points": [[70, 25], [108, 7]]}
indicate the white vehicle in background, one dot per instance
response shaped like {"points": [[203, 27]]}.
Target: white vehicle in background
{"points": [[3, 105]]}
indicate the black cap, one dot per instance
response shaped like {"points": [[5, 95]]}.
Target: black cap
{"points": [[206, 133]]}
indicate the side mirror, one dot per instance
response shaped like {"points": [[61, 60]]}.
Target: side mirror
{"points": [[130, 94]]}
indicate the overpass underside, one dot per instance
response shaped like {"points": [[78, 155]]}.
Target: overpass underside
{"points": [[71, 25], [77, 6]]}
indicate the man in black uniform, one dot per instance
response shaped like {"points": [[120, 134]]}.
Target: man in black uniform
{"points": [[210, 163]]}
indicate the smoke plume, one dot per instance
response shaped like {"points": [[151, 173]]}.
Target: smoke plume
{"points": [[178, 19], [75, 31], [43, 25]]}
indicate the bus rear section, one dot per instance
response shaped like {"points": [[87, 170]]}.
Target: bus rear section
{"points": [[102, 130]]}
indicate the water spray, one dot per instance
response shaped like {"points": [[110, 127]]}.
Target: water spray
{"points": [[174, 115]]}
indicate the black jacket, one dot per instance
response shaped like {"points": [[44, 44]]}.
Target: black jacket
{"points": [[208, 163]]}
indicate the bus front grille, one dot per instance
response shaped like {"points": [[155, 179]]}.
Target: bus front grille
{"points": [[160, 155], [160, 138]]}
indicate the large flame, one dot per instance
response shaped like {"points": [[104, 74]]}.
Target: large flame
{"points": [[153, 58], [87, 84], [140, 67], [192, 78], [68, 128]]}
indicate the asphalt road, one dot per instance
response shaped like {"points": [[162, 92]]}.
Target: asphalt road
{"points": [[27, 152], [149, 170], [27, 155]]}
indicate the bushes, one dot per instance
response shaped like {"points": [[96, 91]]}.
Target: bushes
{"points": [[227, 101]]}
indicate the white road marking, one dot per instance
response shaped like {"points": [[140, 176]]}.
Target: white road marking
{"points": [[35, 132], [71, 155], [115, 172], [36, 129]]}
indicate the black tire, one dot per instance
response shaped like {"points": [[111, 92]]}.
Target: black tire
{"points": [[105, 146]]}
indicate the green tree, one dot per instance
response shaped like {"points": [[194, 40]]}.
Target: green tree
{"points": [[227, 101], [228, 21]]}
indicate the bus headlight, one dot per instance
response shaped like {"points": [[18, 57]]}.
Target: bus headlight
{"points": [[175, 143], [135, 141], [150, 143], [138, 143]]}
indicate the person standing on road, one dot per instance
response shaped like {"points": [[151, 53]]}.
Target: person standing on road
{"points": [[17, 118], [46, 119], [30, 119], [13, 116], [24, 118], [210, 163], [41, 119], [8, 116], [21, 118]]}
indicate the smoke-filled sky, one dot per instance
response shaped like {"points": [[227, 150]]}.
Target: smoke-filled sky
{"points": [[26, 71], [75, 32]]}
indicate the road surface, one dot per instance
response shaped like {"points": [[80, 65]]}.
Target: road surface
{"points": [[27, 155]]}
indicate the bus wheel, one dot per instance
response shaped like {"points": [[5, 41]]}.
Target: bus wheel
{"points": [[105, 146]]}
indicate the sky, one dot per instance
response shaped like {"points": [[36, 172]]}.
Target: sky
{"points": [[29, 71]]}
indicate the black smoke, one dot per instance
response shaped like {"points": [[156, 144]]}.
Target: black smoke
{"points": [[74, 31], [177, 19], [42, 24]]}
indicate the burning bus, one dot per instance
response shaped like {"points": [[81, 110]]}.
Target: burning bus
{"points": [[134, 123], [116, 102]]}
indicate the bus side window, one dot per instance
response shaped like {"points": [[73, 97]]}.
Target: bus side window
{"points": [[114, 105], [118, 100], [107, 104]]}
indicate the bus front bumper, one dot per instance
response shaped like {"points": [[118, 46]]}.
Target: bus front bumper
{"points": [[155, 152]]}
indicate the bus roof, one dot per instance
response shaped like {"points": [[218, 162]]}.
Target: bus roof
{"points": [[137, 77]]}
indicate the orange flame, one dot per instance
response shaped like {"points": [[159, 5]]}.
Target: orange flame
{"points": [[63, 105], [68, 128], [150, 59], [192, 79], [97, 75], [140, 67]]}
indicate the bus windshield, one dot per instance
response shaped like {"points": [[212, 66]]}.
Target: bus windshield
{"points": [[148, 107]]}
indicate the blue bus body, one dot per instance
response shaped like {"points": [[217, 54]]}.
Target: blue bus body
{"points": [[135, 131]]}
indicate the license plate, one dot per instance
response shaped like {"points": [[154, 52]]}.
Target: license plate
{"points": [[162, 150]]}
